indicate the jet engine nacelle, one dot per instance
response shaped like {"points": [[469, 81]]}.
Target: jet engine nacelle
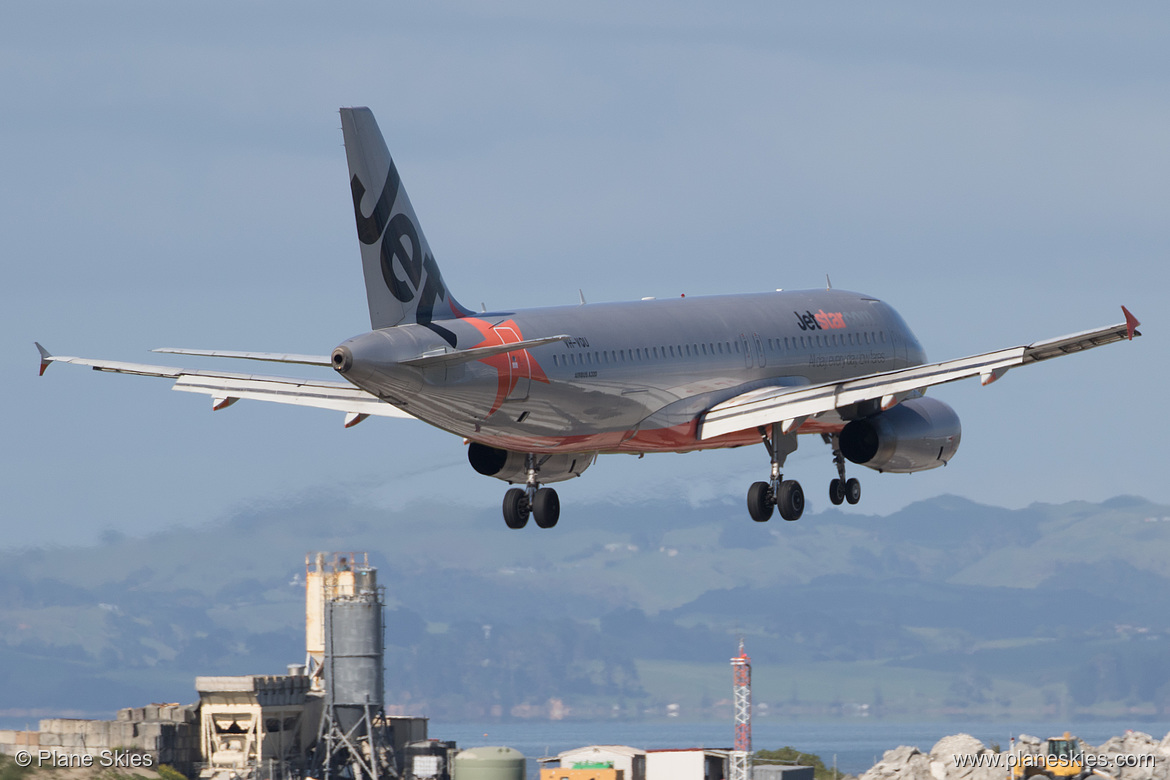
{"points": [[916, 435], [512, 467]]}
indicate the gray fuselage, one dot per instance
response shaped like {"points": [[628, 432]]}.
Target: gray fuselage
{"points": [[633, 377]]}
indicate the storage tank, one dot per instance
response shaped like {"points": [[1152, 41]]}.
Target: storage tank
{"points": [[353, 658], [489, 763]]}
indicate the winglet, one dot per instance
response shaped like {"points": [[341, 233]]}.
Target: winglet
{"points": [[46, 358], [1131, 324]]}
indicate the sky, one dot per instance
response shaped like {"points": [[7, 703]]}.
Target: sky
{"points": [[173, 176]]}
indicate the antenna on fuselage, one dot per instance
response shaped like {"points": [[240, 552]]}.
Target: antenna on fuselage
{"points": [[828, 284], [582, 294]]}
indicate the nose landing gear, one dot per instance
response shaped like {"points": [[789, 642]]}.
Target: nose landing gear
{"points": [[542, 503], [783, 494]]}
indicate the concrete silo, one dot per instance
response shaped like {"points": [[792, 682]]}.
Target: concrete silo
{"points": [[353, 740]]}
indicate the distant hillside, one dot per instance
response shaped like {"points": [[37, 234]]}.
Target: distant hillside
{"points": [[946, 605]]}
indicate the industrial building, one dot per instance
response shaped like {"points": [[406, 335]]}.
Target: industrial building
{"points": [[256, 721], [628, 763], [688, 764], [781, 772], [167, 733], [621, 762]]}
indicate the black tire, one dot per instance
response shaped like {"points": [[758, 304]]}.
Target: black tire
{"points": [[760, 502], [836, 492], [852, 490], [546, 507], [516, 508], [790, 500]]}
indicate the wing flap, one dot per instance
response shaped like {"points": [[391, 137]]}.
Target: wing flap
{"points": [[114, 366], [323, 395], [782, 405], [1078, 342]]}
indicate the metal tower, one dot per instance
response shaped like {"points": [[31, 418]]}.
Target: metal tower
{"points": [[741, 757]]}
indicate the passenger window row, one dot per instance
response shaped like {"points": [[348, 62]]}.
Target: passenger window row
{"points": [[641, 354]]}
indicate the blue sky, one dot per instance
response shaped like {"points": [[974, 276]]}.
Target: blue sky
{"points": [[174, 176]]}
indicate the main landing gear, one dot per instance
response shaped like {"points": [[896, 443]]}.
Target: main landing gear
{"points": [[542, 503], [787, 494], [841, 489], [784, 494]]}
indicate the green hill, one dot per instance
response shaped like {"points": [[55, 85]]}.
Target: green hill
{"points": [[944, 606]]}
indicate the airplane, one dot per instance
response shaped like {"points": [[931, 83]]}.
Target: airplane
{"points": [[538, 394]]}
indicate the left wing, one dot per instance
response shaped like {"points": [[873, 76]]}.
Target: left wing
{"points": [[227, 388], [790, 407]]}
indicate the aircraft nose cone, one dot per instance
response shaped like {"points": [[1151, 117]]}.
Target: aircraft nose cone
{"points": [[342, 359]]}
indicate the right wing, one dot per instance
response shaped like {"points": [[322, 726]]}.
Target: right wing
{"points": [[791, 406], [226, 388]]}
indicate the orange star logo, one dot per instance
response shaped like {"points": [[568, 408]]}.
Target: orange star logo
{"points": [[511, 367]]}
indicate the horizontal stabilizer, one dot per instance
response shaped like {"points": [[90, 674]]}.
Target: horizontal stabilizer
{"points": [[269, 357], [479, 353]]}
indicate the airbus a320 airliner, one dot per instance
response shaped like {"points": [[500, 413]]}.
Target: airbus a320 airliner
{"points": [[538, 394]]}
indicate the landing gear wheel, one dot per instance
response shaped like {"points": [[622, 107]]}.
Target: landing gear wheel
{"points": [[516, 508], [546, 507], [836, 492], [790, 499], [852, 490], [760, 501]]}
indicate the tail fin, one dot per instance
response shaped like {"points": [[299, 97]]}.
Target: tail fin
{"points": [[403, 283]]}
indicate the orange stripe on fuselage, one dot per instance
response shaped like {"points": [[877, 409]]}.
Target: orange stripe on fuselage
{"points": [[676, 438]]}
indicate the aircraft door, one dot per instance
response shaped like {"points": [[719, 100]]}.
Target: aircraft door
{"points": [[761, 356], [747, 351], [519, 368], [898, 347]]}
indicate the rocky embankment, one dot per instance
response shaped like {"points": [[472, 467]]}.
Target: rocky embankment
{"points": [[946, 761]]}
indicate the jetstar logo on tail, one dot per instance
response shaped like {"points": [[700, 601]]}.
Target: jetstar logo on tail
{"points": [[511, 367], [822, 320], [409, 270]]}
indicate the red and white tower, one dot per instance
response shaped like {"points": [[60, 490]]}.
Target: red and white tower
{"points": [[741, 757]]}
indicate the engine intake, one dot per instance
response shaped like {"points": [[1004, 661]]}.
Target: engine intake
{"points": [[511, 467], [916, 435]]}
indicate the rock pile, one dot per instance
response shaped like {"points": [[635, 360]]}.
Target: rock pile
{"points": [[909, 763], [1137, 743]]}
